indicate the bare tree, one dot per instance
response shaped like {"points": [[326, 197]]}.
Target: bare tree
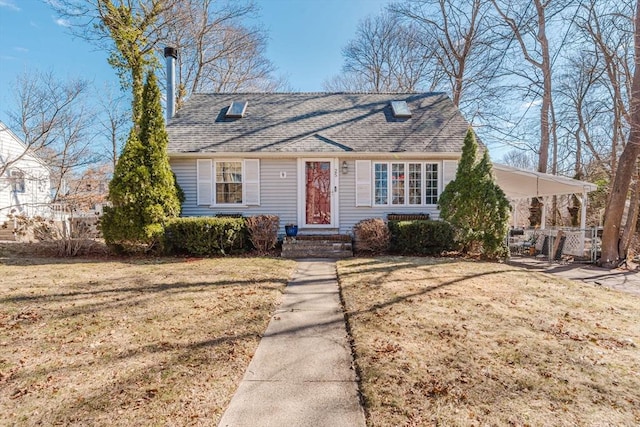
{"points": [[463, 49], [386, 55], [113, 121], [128, 29], [53, 122], [626, 167], [519, 159], [582, 110], [527, 23], [608, 28], [217, 52]]}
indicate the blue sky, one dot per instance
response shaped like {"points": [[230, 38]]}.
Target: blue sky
{"points": [[305, 42]]}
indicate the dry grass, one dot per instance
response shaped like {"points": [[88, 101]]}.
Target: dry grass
{"points": [[140, 342], [469, 343]]}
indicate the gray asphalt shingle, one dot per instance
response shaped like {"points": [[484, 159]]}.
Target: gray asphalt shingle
{"points": [[317, 122]]}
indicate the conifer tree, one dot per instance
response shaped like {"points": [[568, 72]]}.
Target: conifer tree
{"points": [[143, 192], [474, 204]]}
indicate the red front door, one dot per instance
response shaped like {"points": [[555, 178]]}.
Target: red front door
{"points": [[318, 193]]}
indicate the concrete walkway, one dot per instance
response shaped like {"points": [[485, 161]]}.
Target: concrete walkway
{"points": [[302, 372]]}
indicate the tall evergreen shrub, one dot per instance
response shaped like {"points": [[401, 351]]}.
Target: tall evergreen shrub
{"points": [[143, 192], [474, 204]]}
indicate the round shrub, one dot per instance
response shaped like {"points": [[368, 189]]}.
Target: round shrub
{"points": [[371, 236]]}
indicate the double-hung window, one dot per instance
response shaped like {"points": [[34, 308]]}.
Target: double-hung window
{"points": [[415, 183], [381, 183], [431, 183], [405, 183], [398, 182], [228, 182], [17, 181]]}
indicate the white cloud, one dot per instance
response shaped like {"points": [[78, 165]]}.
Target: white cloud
{"points": [[54, 3], [528, 105], [9, 4], [20, 49], [62, 22]]}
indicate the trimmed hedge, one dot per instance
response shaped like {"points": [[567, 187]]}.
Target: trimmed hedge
{"points": [[421, 237], [205, 236]]}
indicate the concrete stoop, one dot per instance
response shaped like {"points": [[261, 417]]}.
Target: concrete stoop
{"points": [[6, 232], [317, 247]]}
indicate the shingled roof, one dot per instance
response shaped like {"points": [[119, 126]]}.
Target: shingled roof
{"points": [[317, 122]]}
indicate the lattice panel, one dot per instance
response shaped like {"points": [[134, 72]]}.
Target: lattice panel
{"points": [[572, 244]]}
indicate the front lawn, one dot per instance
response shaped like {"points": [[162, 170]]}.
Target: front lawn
{"points": [[144, 342], [460, 343]]}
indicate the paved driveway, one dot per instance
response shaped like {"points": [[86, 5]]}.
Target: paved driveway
{"points": [[621, 279]]}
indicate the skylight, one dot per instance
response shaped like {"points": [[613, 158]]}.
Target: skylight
{"points": [[236, 109], [400, 109]]}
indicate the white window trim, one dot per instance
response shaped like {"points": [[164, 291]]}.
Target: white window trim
{"points": [[214, 183], [206, 183], [18, 181], [423, 188]]}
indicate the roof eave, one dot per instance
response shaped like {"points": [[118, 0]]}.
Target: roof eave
{"points": [[297, 154]]}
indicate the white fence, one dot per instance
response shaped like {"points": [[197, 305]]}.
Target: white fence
{"points": [[557, 244]]}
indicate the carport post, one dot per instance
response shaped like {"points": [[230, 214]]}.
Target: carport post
{"points": [[583, 218], [543, 217]]}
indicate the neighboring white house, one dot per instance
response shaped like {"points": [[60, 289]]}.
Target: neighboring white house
{"points": [[24, 178]]}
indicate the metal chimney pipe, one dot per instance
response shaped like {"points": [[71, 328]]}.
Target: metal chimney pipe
{"points": [[170, 55]]}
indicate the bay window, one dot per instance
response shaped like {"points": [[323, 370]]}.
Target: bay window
{"points": [[405, 183]]}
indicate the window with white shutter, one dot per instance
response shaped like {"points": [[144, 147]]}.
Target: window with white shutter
{"points": [[228, 182], [449, 170], [204, 174], [363, 182], [252, 182]]}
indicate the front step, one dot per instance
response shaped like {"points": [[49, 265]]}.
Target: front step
{"points": [[338, 246], [6, 231]]}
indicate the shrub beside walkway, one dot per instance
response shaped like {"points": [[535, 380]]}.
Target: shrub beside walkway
{"points": [[302, 372]]}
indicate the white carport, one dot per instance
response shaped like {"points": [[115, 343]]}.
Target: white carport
{"points": [[521, 184]]}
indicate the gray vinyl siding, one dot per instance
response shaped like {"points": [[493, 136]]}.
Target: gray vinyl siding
{"points": [[277, 195], [350, 215]]}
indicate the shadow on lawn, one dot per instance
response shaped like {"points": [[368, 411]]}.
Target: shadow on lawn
{"points": [[142, 289], [149, 376], [30, 259], [150, 387], [375, 266]]}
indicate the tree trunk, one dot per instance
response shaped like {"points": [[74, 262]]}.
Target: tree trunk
{"points": [[632, 216], [545, 111], [626, 166]]}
